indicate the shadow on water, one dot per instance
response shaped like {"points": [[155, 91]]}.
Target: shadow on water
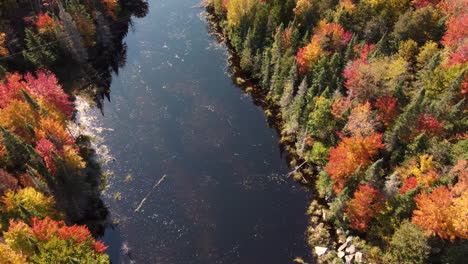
{"points": [[80, 196], [174, 111]]}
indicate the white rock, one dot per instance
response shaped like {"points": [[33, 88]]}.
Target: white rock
{"points": [[341, 254], [349, 239], [349, 258], [342, 247], [351, 249], [358, 257], [320, 250]]}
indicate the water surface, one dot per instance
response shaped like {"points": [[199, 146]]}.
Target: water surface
{"points": [[174, 111]]}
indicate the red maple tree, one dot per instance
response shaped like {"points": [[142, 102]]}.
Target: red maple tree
{"points": [[351, 153], [365, 205]]}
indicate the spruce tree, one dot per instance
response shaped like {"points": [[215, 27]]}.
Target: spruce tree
{"points": [[38, 52], [288, 91], [17, 152], [265, 69], [374, 173]]}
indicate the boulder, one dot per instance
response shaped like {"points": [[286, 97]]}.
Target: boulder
{"points": [[341, 254], [351, 249], [342, 247], [358, 257], [349, 258], [320, 250]]}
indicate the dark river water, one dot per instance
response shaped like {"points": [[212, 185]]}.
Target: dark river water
{"points": [[174, 111]]}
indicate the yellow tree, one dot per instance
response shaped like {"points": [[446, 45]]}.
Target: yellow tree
{"points": [[236, 9]]}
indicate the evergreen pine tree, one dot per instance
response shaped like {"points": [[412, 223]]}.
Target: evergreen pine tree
{"points": [[265, 69], [288, 91], [38, 52], [17, 154], [402, 128], [373, 174]]}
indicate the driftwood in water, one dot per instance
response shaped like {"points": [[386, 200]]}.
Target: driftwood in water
{"points": [[297, 169], [149, 193]]}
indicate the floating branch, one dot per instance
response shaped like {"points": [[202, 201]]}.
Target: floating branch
{"points": [[149, 193]]}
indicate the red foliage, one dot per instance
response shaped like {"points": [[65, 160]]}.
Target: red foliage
{"points": [[457, 24], [423, 3], [100, 247], [387, 109], [78, 234], [47, 228], [10, 89], [365, 50], [356, 80], [328, 38], [46, 85], [44, 23], [25, 180], [7, 182], [340, 106], [409, 184], [458, 57], [44, 147], [349, 155], [365, 205], [429, 125]]}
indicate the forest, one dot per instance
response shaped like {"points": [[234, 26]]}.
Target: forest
{"points": [[50, 178], [372, 95]]}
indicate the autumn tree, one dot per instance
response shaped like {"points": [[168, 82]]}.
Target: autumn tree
{"points": [[328, 37], [27, 203], [442, 212], [236, 9], [429, 125], [45, 85], [361, 121], [7, 182], [370, 79], [50, 241], [363, 207], [3, 51], [350, 154], [45, 23], [387, 109]]}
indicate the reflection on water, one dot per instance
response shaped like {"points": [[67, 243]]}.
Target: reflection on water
{"points": [[174, 111]]}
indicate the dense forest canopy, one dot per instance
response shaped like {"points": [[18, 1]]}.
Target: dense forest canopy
{"points": [[50, 179], [377, 89]]}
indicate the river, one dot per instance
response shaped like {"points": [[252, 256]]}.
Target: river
{"points": [[175, 111]]}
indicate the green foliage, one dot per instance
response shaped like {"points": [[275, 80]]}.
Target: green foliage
{"points": [[18, 152], [318, 154], [38, 53], [373, 174], [420, 25], [25, 204], [321, 123], [324, 185], [59, 251], [409, 245]]}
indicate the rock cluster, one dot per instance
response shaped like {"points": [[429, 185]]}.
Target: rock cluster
{"points": [[349, 252]]}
